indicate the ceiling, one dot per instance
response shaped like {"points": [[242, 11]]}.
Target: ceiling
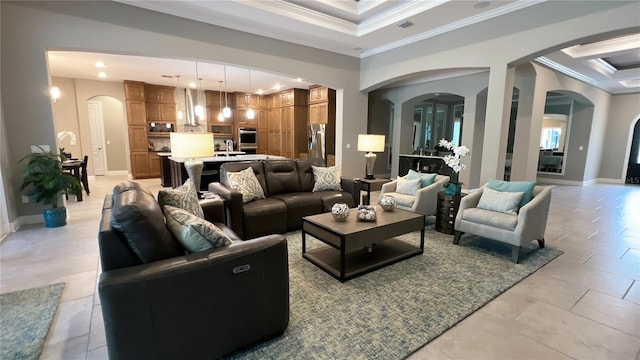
{"points": [[355, 28]]}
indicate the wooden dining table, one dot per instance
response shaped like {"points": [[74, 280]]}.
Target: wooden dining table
{"points": [[74, 166]]}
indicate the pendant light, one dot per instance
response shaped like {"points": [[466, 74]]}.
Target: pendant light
{"points": [[226, 111], [180, 114], [199, 110], [220, 114], [251, 114]]}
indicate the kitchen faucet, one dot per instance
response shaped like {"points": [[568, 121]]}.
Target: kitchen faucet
{"points": [[229, 146]]}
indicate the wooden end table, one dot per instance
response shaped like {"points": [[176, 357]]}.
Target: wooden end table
{"points": [[448, 206], [370, 185]]}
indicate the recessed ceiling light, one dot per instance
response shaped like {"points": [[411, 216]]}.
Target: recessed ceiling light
{"points": [[102, 74], [192, 85], [299, 79], [481, 4], [99, 64], [260, 92], [277, 87]]}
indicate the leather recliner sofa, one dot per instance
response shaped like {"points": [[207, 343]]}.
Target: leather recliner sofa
{"points": [[185, 306], [288, 188]]}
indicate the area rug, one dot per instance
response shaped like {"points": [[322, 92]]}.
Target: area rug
{"points": [[25, 317], [392, 312]]}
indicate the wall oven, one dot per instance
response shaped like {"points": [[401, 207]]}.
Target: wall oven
{"points": [[247, 140]]}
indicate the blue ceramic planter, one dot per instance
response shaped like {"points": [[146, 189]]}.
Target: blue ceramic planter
{"points": [[55, 217], [452, 188]]}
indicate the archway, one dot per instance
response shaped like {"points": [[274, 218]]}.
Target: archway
{"points": [[633, 165]]}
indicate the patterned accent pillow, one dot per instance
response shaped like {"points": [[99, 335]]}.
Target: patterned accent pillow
{"points": [[194, 233], [326, 178], [408, 187], [247, 183], [183, 197], [500, 201]]}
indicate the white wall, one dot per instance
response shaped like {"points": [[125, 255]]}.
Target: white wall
{"points": [[625, 110]]}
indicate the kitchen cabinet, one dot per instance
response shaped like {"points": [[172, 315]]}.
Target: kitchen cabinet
{"points": [[134, 90], [161, 112], [151, 113], [136, 112], [263, 131], [154, 164], [288, 124], [140, 164], [159, 94]]}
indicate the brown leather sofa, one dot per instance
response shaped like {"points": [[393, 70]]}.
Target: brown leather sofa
{"points": [[170, 305], [288, 186]]}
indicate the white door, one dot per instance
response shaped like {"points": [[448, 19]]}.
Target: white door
{"points": [[97, 137]]}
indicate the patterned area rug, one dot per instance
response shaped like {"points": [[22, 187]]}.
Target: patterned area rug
{"points": [[25, 317], [392, 312]]}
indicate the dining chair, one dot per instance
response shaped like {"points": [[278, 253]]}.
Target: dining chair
{"points": [[83, 174]]}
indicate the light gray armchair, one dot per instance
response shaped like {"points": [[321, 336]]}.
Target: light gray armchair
{"points": [[425, 201], [528, 225]]}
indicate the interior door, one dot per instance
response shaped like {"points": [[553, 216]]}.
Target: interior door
{"points": [[97, 137], [633, 169]]}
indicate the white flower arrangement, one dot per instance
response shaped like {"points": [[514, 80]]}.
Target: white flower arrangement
{"points": [[453, 160]]}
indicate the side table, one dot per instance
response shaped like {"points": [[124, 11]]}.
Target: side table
{"points": [[370, 185], [448, 206]]}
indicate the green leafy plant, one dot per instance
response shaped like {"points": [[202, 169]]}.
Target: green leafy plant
{"points": [[45, 180]]}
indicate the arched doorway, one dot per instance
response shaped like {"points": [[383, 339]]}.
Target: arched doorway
{"points": [[633, 167]]}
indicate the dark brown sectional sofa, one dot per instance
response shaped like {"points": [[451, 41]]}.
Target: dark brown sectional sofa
{"points": [[288, 186], [160, 303]]}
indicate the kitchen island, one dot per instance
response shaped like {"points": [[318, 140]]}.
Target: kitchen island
{"points": [[211, 170]]}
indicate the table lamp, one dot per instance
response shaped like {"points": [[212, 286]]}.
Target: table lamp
{"points": [[191, 146], [370, 143]]}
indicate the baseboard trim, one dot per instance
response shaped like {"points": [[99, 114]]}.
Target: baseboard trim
{"points": [[29, 220], [118, 172], [610, 181], [561, 182]]}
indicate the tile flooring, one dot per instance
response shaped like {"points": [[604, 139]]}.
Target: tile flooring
{"points": [[583, 305]]}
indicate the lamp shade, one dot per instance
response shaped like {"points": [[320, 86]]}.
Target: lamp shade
{"points": [[370, 142], [191, 145]]}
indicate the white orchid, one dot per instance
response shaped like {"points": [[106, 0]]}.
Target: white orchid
{"points": [[453, 160]]}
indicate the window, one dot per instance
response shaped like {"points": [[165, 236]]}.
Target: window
{"points": [[550, 138]]}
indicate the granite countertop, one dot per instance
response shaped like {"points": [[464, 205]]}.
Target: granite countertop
{"points": [[222, 158]]}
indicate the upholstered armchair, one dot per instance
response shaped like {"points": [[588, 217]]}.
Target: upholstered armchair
{"points": [[425, 200], [528, 224]]}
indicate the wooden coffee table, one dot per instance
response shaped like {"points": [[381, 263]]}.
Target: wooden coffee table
{"points": [[357, 247]]}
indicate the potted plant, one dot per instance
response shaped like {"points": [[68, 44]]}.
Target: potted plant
{"points": [[45, 182], [453, 161]]}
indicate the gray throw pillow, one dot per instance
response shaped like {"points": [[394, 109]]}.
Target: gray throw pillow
{"points": [[183, 197], [194, 233], [326, 178], [247, 183], [500, 201]]}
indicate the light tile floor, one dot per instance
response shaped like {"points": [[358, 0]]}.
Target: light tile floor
{"points": [[583, 305]]}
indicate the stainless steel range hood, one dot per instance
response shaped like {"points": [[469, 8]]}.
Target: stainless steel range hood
{"points": [[189, 106]]}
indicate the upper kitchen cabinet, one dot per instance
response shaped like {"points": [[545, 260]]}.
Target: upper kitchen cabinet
{"points": [[161, 112], [160, 94], [134, 90]]}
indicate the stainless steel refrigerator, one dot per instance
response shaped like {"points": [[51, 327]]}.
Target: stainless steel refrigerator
{"points": [[317, 142]]}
